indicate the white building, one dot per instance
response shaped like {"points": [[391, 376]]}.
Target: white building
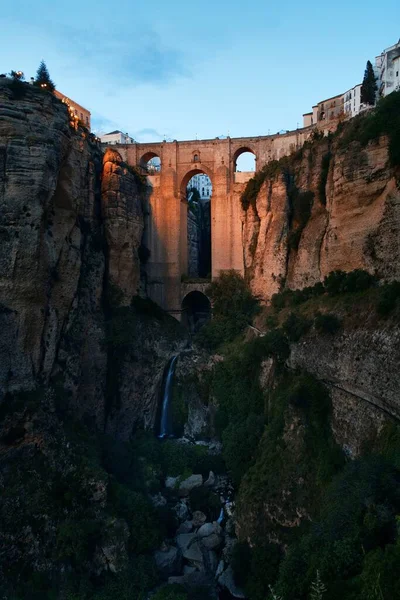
{"points": [[116, 137], [352, 101], [203, 185], [387, 69]]}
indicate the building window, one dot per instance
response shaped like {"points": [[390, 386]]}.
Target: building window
{"points": [[196, 158]]}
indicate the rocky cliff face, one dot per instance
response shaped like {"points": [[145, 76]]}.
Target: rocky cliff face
{"points": [[334, 207], [70, 229]]}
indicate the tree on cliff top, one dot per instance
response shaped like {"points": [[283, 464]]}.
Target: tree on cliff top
{"points": [[43, 78], [369, 87]]}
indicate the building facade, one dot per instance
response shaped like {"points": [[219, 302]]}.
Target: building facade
{"points": [[81, 113], [203, 185], [352, 101], [325, 111], [387, 70], [116, 137]]}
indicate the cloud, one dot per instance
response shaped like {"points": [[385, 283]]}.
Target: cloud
{"points": [[101, 124], [140, 58], [147, 135]]}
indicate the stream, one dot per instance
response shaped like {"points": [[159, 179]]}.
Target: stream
{"points": [[199, 552]]}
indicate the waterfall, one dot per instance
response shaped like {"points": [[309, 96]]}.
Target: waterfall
{"points": [[165, 429]]}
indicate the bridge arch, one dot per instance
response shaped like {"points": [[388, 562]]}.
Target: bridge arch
{"points": [[243, 150], [196, 310], [200, 170], [151, 162]]}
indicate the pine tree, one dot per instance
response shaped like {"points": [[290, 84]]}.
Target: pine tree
{"points": [[273, 595], [369, 87], [318, 589], [43, 78]]}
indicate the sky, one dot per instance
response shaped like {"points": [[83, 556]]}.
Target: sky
{"points": [[179, 69]]}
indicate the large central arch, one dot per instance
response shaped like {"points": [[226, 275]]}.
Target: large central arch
{"points": [[198, 217]]}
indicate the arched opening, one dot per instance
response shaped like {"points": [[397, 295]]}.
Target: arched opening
{"points": [[196, 310], [151, 163], [244, 161], [198, 192]]}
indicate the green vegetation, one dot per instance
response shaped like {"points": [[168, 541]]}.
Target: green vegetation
{"points": [[300, 205], [326, 161], [326, 323], [335, 284], [280, 452], [389, 298], [383, 120], [270, 171], [171, 592], [369, 87], [296, 326], [233, 309], [75, 494], [43, 80]]}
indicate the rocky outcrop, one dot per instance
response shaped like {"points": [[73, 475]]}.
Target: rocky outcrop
{"points": [[70, 227], [334, 208], [123, 223], [360, 368]]}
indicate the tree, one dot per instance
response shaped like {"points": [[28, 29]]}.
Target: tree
{"points": [[17, 75], [318, 589], [369, 87], [43, 78]]}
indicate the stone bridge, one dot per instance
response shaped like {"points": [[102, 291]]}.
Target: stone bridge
{"points": [[166, 222]]}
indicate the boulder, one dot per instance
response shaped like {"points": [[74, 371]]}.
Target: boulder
{"points": [[190, 549], [188, 570], [210, 480], [171, 482], [182, 511], [177, 579], [168, 560], [158, 500], [189, 484], [185, 527], [199, 518], [227, 581], [210, 535]]}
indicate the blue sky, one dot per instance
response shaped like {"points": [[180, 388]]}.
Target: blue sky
{"points": [[182, 69]]}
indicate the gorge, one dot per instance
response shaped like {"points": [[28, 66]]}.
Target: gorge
{"points": [[287, 399]]}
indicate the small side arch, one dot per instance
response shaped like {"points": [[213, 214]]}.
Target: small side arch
{"points": [[248, 158], [196, 310], [150, 162]]}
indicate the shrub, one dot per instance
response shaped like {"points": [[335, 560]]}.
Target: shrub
{"points": [[240, 440], [220, 330], [339, 282], [296, 326], [326, 323], [231, 296], [270, 171], [326, 161], [18, 89], [383, 120], [300, 204], [357, 517], [206, 501], [233, 308], [388, 298], [171, 592], [272, 345]]}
